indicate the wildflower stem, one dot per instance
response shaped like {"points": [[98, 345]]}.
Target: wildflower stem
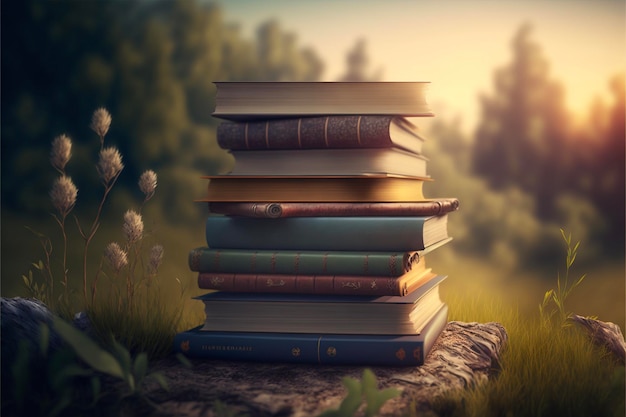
{"points": [[92, 232]]}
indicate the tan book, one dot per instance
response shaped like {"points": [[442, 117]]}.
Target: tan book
{"points": [[265, 100], [365, 188]]}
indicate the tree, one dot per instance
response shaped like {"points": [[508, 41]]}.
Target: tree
{"points": [[522, 139], [357, 63]]}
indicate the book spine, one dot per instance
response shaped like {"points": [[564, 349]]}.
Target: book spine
{"points": [[403, 234], [277, 210], [302, 284], [307, 133], [313, 348], [387, 264]]}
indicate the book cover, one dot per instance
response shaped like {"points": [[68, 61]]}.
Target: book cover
{"points": [[345, 162], [391, 234], [264, 100], [310, 313], [366, 350], [315, 284], [434, 207], [340, 131], [362, 188]]}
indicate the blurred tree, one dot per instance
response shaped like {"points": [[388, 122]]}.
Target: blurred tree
{"points": [[526, 139], [522, 138], [152, 65], [607, 162], [357, 64]]}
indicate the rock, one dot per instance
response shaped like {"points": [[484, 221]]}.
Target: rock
{"points": [[465, 354], [605, 334]]}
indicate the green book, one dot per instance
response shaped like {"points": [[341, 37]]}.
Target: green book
{"points": [[380, 263]]}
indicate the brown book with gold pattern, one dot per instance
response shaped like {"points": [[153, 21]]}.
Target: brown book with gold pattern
{"points": [[339, 131]]}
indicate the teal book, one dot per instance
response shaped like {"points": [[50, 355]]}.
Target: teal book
{"points": [[249, 261], [324, 314], [309, 348], [362, 233]]}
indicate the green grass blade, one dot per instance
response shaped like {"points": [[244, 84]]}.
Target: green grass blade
{"points": [[96, 357]]}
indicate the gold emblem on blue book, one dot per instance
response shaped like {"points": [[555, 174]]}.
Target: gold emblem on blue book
{"points": [[295, 351], [331, 351], [401, 354], [184, 345], [417, 353]]}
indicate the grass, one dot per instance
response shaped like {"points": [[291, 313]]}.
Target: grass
{"points": [[545, 371]]}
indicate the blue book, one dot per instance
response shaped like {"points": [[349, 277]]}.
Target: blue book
{"points": [[325, 314], [333, 349], [363, 233]]}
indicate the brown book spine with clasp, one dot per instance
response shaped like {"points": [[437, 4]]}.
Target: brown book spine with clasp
{"points": [[433, 207]]}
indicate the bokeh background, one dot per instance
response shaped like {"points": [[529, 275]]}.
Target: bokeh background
{"points": [[528, 133]]}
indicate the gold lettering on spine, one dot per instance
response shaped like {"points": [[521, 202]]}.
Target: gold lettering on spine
{"points": [[267, 136], [273, 262], [355, 285], [246, 135], [253, 262], [216, 261], [358, 130], [392, 264], [296, 263], [217, 282], [326, 131], [271, 283]]}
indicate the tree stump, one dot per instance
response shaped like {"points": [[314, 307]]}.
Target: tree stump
{"points": [[465, 354]]}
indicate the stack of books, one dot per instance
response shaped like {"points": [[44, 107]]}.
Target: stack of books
{"points": [[317, 239]]}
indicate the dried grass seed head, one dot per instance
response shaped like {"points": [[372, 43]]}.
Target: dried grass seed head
{"points": [[61, 152], [63, 195], [156, 256], [100, 121], [116, 256], [133, 226], [148, 183], [110, 164]]}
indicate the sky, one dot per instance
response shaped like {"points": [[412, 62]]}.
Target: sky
{"points": [[455, 44]]}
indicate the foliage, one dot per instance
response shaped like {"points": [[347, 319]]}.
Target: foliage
{"points": [[546, 369], [118, 364], [69, 380], [361, 394], [563, 287], [527, 139]]}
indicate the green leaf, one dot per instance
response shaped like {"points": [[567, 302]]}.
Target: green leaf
{"points": [[96, 357], [183, 360], [353, 400], [140, 366], [123, 356], [378, 399], [373, 397]]}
